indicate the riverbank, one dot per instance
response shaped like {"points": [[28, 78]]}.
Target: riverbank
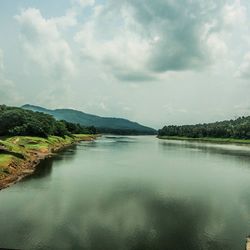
{"points": [[20, 155], [207, 139]]}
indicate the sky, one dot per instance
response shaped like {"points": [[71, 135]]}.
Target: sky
{"points": [[157, 62]]}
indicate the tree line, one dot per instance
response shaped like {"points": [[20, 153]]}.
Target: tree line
{"points": [[238, 129], [17, 121], [117, 131]]}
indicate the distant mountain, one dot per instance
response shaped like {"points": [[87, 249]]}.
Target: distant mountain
{"points": [[103, 124]]}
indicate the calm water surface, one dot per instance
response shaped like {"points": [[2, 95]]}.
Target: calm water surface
{"points": [[133, 193]]}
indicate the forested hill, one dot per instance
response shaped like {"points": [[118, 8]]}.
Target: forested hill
{"points": [[238, 129], [103, 124], [17, 121]]}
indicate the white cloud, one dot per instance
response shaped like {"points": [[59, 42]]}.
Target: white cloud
{"points": [[244, 69], [44, 43], [227, 37], [85, 3], [8, 94], [138, 42], [242, 108], [185, 50], [130, 42], [218, 47], [117, 46], [1, 62], [234, 14], [67, 21]]}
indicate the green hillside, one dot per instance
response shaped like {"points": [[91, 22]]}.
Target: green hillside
{"points": [[17, 121], [103, 124]]}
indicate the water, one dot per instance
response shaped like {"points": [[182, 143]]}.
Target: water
{"points": [[132, 193]]}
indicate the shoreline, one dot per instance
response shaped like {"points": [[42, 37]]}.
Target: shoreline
{"points": [[207, 139], [20, 155]]}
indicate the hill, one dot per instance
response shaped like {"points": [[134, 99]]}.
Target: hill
{"points": [[103, 124], [17, 121]]}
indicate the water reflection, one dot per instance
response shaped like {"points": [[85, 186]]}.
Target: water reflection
{"points": [[132, 219], [121, 139], [231, 150], [147, 221], [45, 167], [107, 142], [42, 170], [142, 219], [143, 194]]}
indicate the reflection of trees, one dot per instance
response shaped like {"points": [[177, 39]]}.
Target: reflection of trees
{"points": [[44, 168], [241, 154]]}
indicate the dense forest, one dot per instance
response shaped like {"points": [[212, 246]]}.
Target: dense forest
{"points": [[104, 125], [125, 131], [238, 129], [17, 121]]}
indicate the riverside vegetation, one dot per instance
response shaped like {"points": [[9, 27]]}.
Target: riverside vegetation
{"points": [[234, 131], [26, 137]]}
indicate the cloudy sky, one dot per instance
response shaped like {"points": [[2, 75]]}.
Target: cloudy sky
{"points": [[157, 62]]}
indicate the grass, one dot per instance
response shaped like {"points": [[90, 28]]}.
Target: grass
{"points": [[21, 147], [84, 136], [37, 143], [207, 139], [5, 159], [18, 151]]}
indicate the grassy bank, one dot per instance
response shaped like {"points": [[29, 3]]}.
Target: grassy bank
{"points": [[19, 155], [207, 139]]}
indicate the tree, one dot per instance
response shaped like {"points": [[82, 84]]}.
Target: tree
{"points": [[17, 121]]}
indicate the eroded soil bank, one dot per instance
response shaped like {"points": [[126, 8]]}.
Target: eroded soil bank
{"points": [[20, 155]]}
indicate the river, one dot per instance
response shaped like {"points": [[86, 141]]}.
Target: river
{"points": [[135, 193]]}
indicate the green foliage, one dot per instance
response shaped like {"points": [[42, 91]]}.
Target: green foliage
{"points": [[124, 131], [76, 128], [60, 129], [17, 121], [105, 125], [238, 129]]}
